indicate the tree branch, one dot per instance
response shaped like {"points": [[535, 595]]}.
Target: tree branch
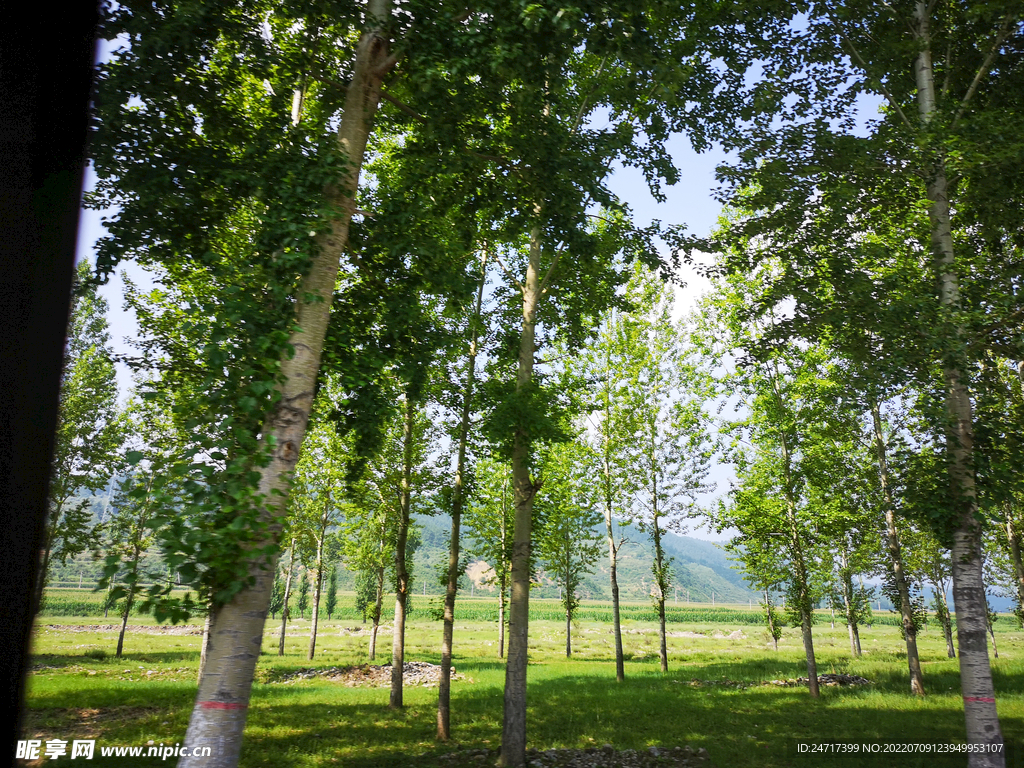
{"points": [[402, 107], [1004, 30], [508, 272], [885, 91], [550, 272]]}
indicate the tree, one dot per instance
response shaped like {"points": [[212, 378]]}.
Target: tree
{"points": [[668, 444], [303, 601], [154, 445], [929, 182], [332, 593], [567, 545], [490, 520], [318, 504], [89, 430], [285, 599], [457, 504], [253, 156], [778, 446], [277, 597]]}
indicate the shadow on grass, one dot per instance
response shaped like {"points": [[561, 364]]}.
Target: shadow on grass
{"points": [[758, 726], [570, 705]]}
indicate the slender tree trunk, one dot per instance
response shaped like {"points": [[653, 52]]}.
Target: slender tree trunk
{"points": [[287, 597], [568, 633], [44, 565], [609, 524], [892, 542], [849, 603], [800, 577], [377, 607], [316, 589], [401, 568], [444, 686], [502, 592], [980, 715], [613, 551], [1013, 538], [659, 559], [770, 619], [129, 599], [204, 643], [942, 609], [513, 732], [236, 633]]}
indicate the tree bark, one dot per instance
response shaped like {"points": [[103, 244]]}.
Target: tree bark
{"points": [[849, 603], [317, 587], [444, 686], [502, 591], [800, 576], [769, 619], [659, 558], [204, 647], [609, 524], [236, 632], [1013, 539], [892, 542], [982, 721], [401, 567], [287, 597], [124, 620], [513, 733], [377, 606]]}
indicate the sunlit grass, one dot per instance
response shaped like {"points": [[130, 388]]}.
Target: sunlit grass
{"points": [[78, 692]]}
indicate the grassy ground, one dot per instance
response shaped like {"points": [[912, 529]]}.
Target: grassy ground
{"points": [[79, 690]]}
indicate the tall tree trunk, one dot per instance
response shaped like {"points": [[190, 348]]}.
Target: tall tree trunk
{"points": [[129, 599], [236, 633], [568, 632], [44, 565], [377, 607], [770, 619], [317, 587], [849, 603], [287, 597], [942, 609], [800, 576], [204, 643], [1013, 538], [892, 542], [980, 715], [502, 592], [613, 551], [444, 686], [659, 559], [401, 568], [513, 732], [609, 524]]}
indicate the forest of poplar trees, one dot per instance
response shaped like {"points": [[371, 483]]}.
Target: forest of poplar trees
{"points": [[388, 276]]}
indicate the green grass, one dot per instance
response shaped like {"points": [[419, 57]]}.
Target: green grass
{"points": [[78, 692]]}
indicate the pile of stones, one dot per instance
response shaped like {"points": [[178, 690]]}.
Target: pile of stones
{"points": [[830, 680], [373, 676]]}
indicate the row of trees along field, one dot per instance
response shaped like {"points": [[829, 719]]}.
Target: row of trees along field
{"points": [[385, 250]]}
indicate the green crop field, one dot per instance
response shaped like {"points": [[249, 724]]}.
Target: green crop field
{"points": [[717, 695]]}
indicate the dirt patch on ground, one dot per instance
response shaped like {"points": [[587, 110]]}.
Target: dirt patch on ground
{"points": [[370, 675], [829, 680], [80, 722], [141, 629]]}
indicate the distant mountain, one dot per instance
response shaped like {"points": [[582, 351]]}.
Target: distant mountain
{"points": [[702, 569]]}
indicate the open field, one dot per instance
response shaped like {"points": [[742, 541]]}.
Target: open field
{"points": [[79, 690]]}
